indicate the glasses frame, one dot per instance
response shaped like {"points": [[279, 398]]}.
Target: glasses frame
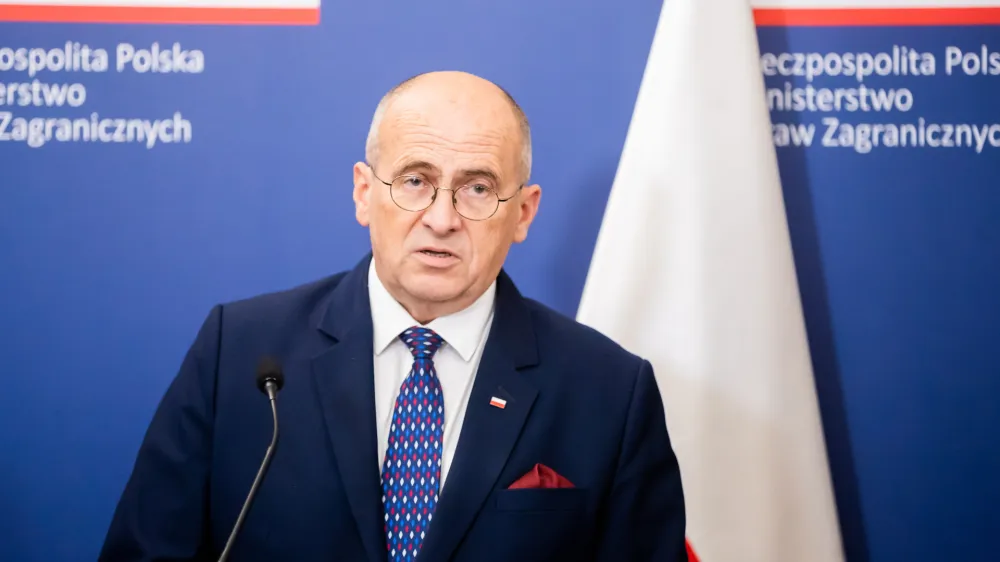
{"points": [[454, 192]]}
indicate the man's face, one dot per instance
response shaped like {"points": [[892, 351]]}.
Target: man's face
{"points": [[435, 261]]}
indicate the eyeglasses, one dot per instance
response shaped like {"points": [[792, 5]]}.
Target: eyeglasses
{"points": [[412, 192]]}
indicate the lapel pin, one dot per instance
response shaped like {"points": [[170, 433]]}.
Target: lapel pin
{"points": [[498, 402]]}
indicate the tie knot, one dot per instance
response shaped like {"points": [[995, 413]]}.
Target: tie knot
{"points": [[423, 342]]}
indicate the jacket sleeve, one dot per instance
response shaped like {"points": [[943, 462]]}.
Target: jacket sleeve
{"points": [[162, 512], [644, 520]]}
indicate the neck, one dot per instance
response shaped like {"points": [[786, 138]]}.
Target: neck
{"points": [[425, 313]]}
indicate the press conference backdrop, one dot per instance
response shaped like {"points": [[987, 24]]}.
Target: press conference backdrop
{"points": [[213, 162]]}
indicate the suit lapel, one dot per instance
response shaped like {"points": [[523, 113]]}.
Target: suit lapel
{"points": [[345, 384], [488, 433]]}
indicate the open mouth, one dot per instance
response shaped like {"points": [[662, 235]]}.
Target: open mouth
{"points": [[436, 254]]}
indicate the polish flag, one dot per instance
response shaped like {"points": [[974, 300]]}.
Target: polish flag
{"points": [[693, 269]]}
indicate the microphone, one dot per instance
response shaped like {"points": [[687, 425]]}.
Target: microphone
{"points": [[270, 379]]}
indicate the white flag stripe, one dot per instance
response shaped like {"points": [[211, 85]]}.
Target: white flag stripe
{"points": [[693, 270]]}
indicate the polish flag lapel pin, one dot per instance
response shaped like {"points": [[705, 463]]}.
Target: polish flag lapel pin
{"points": [[498, 402]]}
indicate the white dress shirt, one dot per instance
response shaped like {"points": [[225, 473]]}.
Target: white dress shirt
{"points": [[455, 362]]}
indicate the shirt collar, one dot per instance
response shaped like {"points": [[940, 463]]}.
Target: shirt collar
{"points": [[462, 330]]}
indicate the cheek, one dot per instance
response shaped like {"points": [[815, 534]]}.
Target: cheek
{"points": [[390, 226], [489, 243]]}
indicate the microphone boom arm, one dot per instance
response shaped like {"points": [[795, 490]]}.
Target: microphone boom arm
{"points": [[272, 394]]}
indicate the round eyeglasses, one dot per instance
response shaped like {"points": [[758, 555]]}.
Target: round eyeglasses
{"points": [[412, 192]]}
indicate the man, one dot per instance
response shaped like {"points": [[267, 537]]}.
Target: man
{"points": [[428, 408]]}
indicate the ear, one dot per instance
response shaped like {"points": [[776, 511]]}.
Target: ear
{"points": [[362, 193], [529, 197]]}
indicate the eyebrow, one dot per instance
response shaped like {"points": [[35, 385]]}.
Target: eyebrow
{"points": [[416, 165], [423, 165]]}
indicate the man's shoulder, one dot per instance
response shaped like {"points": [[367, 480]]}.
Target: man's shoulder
{"points": [[282, 322], [304, 297], [563, 334]]}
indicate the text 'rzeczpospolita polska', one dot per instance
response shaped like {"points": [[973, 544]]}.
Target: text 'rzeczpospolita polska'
{"points": [[866, 102], [37, 77]]}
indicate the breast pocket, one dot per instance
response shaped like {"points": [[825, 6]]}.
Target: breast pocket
{"points": [[530, 525], [545, 499]]}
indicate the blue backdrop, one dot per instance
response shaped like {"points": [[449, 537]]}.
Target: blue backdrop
{"points": [[112, 253]]}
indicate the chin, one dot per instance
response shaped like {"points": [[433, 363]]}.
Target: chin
{"points": [[434, 288]]}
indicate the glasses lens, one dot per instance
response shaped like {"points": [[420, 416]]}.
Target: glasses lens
{"points": [[476, 202], [412, 193]]}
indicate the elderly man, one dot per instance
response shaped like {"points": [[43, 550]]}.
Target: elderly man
{"points": [[429, 411]]}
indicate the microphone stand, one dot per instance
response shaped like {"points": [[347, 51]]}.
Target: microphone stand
{"points": [[272, 395]]}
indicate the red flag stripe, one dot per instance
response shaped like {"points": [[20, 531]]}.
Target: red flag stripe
{"points": [[692, 557]]}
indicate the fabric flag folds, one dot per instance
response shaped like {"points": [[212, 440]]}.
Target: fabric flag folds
{"points": [[693, 270]]}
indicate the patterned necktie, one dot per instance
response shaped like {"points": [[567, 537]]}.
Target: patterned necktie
{"points": [[411, 472]]}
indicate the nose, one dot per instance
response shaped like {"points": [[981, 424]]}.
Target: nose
{"points": [[441, 216]]}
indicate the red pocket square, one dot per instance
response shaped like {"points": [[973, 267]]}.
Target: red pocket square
{"points": [[541, 476]]}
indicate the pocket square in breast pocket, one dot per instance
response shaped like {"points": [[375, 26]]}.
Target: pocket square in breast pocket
{"points": [[541, 476]]}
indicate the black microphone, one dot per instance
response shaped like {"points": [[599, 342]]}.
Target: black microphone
{"points": [[270, 379]]}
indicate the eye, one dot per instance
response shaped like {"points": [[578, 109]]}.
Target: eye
{"points": [[412, 182], [478, 190]]}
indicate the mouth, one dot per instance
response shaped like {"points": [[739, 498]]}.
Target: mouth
{"points": [[437, 253], [436, 258]]}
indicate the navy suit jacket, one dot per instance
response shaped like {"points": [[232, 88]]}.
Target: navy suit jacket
{"points": [[576, 402]]}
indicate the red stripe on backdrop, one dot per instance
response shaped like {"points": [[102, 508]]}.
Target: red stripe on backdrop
{"points": [[160, 15], [808, 17], [310, 16]]}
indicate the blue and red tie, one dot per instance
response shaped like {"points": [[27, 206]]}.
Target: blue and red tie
{"points": [[411, 472]]}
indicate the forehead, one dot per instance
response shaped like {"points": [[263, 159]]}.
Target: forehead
{"points": [[451, 134]]}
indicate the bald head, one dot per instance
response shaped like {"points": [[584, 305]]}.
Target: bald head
{"points": [[451, 87]]}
